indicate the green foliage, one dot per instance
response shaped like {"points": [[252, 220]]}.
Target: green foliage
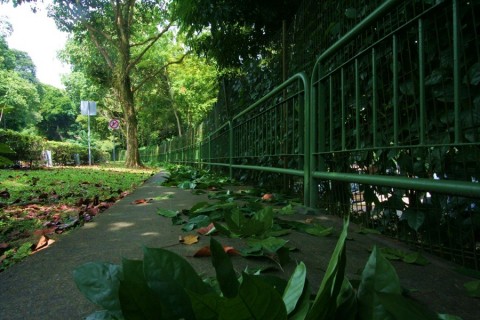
{"points": [[15, 255], [232, 32], [63, 153], [186, 177], [171, 289], [58, 114], [19, 101], [26, 147], [29, 148], [5, 150], [407, 257]]}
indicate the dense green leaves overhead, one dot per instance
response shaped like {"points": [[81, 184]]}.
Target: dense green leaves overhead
{"points": [[232, 31]]}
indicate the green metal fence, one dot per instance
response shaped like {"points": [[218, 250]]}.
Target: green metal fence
{"points": [[385, 128], [396, 125]]}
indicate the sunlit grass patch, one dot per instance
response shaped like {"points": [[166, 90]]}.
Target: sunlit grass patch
{"points": [[47, 202]]}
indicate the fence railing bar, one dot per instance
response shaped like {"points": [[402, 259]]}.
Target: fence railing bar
{"points": [[453, 187]]}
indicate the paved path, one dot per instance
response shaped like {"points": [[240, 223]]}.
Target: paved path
{"points": [[41, 287]]}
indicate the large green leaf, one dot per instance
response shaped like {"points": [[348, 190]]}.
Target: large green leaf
{"points": [[235, 221], [168, 275], [197, 222], [270, 244], [295, 287], [261, 300], [415, 218], [319, 230], [167, 213], [265, 218], [401, 308], [99, 283], [226, 276], [205, 207], [347, 302], [325, 304], [312, 229], [377, 276], [303, 304], [407, 257], [205, 306], [136, 298], [234, 309]]}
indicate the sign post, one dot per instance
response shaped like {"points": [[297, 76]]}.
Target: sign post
{"points": [[88, 108]]}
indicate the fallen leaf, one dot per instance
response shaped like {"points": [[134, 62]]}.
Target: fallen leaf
{"points": [[231, 251], [203, 252], [206, 230], [93, 211], [267, 197], [3, 245], [42, 242], [141, 201], [189, 239]]}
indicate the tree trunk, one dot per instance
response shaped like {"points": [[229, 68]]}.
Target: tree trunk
{"points": [[125, 94]]}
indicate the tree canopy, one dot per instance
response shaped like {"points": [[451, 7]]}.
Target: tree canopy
{"points": [[232, 32]]}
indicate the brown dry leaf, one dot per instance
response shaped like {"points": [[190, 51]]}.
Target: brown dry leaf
{"points": [[267, 197], [231, 251], [3, 245], [205, 230], [203, 252], [142, 201], [43, 244], [189, 239]]}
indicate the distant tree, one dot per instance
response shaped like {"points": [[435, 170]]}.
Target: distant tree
{"points": [[19, 99], [193, 89], [58, 113], [7, 56], [19, 102], [24, 66]]}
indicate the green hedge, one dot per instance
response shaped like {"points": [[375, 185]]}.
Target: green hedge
{"points": [[29, 148], [26, 147], [63, 153]]}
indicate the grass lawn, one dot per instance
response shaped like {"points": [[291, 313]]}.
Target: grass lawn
{"points": [[38, 205]]}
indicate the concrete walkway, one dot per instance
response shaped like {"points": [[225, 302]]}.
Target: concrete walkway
{"points": [[42, 286]]}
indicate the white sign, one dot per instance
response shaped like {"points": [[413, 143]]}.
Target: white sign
{"points": [[114, 124], [88, 108]]}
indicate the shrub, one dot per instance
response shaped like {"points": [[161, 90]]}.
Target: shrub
{"points": [[26, 147]]}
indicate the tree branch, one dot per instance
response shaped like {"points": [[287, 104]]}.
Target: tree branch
{"points": [[153, 75], [100, 48], [154, 39]]}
